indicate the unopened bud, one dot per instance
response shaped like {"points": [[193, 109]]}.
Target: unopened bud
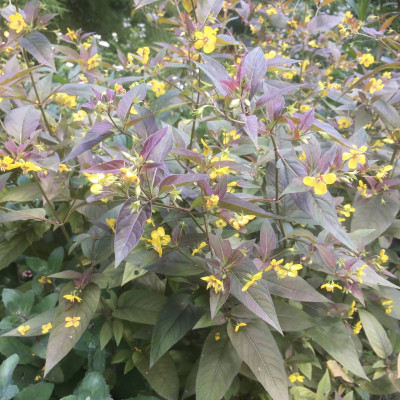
{"points": [[234, 103]]}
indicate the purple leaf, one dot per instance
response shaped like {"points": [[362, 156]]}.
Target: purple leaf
{"points": [[157, 146], [255, 65], [137, 92], [129, 229], [221, 187], [270, 92], [190, 155], [21, 122], [251, 127], [100, 131], [38, 46], [323, 212], [207, 9], [31, 10], [172, 181], [323, 23], [257, 298], [238, 205], [215, 71], [221, 247], [306, 121], [147, 125], [267, 239], [109, 167]]}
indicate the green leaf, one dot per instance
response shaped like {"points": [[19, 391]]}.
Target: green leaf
{"points": [[23, 193], [132, 272], [105, 334], [7, 390], [42, 391], [10, 250], [118, 330], [162, 377], [35, 324], [63, 339], [140, 306], [291, 318], [302, 393], [178, 316], [376, 335], [219, 364], [381, 211], [378, 386], [14, 215], [324, 387], [257, 348], [93, 386], [335, 339]]}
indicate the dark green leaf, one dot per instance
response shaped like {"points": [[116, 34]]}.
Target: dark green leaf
{"points": [[178, 316], [42, 391], [219, 364], [7, 390]]}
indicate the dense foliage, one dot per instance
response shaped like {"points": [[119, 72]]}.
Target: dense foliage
{"points": [[213, 215]]}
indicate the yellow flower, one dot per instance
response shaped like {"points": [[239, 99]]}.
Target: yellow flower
{"points": [[274, 264], [7, 164], [292, 23], [217, 336], [218, 172], [71, 34], [355, 156], [228, 136], [362, 188], [79, 116], [302, 156], [231, 186], [17, 22], [157, 87], [159, 239], [220, 223], [72, 298], [319, 182], [330, 286], [387, 75], [111, 223], [304, 108], [313, 43], [213, 282], [347, 209], [352, 309], [296, 377], [357, 328], [129, 176], [212, 201], [86, 45], [344, 123], [96, 189], [144, 53], [93, 62], [46, 328], [271, 54], [239, 325], [65, 100], [271, 11], [252, 281], [74, 321], [383, 172], [241, 220], [28, 166], [63, 168], [199, 249], [206, 148], [388, 305], [37, 377], [374, 85], [43, 280], [150, 222], [289, 269], [206, 40], [22, 329], [361, 272], [367, 60], [382, 256]]}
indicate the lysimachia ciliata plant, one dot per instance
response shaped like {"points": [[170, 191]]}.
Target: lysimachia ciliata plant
{"points": [[213, 217]]}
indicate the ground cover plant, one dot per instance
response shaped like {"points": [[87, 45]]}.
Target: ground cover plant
{"points": [[212, 215]]}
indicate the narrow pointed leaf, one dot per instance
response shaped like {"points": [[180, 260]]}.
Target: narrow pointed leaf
{"points": [[62, 339], [36, 44], [129, 229], [257, 348]]}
